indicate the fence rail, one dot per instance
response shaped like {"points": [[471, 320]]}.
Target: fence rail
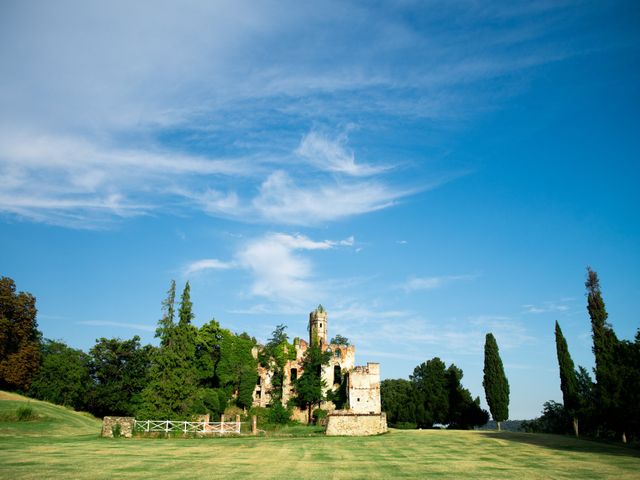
{"points": [[171, 426]]}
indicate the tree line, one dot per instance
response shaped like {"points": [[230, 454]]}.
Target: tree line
{"points": [[192, 371], [196, 370], [609, 406], [434, 395]]}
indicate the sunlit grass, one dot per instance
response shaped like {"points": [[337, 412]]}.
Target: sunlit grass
{"points": [[44, 452]]}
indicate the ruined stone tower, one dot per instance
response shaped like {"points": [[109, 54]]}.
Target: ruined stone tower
{"points": [[360, 401], [318, 326]]}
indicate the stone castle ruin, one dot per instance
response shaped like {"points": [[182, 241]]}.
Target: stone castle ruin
{"points": [[361, 414]]}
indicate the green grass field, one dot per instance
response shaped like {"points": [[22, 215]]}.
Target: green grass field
{"points": [[65, 444]]}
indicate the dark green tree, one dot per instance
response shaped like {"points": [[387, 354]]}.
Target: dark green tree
{"points": [[464, 412], [64, 376], [399, 398], [586, 391], [19, 338], [605, 345], [310, 385], [185, 315], [226, 366], [172, 389], [237, 370], [554, 419], [167, 322], [340, 395], [430, 381], [208, 352], [628, 374], [275, 355], [340, 340], [495, 383], [434, 395], [119, 370], [568, 379]]}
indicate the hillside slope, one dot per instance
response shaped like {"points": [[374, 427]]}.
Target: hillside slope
{"points": [[51, 420]]}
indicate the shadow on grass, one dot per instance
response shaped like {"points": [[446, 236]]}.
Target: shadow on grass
{"points": [[567, 444]]}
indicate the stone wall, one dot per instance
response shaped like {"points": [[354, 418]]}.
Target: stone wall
{"points": [[364, 389], [353, 424], [126, 426]]}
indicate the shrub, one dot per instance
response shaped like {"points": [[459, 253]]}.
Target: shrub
{"points": [[25, 413], [319, 416], [116, 430], [406, 426], [278, 414], [261, 413]]}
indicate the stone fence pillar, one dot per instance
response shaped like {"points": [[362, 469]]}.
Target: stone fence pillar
{"points": [[112, 425]]}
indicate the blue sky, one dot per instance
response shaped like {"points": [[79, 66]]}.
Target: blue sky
{"points": [[428, 171]]}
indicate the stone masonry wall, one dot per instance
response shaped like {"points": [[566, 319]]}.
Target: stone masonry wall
{"points": [[126, 426], [351, 424], [364, 389]]}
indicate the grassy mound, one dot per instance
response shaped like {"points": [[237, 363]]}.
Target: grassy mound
{"points": [[22, 416]]}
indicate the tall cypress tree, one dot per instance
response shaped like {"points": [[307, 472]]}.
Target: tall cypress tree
{"points": [[185, 314], [495, 383], [568, 379], [604, 339], [167, 322], [605, 345]]}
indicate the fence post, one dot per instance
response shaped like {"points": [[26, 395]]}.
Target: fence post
{"points": [[167, 427], [254, 426], [238, 423], [221, 424]]}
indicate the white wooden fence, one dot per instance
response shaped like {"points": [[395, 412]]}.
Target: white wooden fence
{"points": [[173, 426]]}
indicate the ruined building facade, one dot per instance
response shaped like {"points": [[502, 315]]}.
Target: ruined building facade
{"points": [[362, 382]]}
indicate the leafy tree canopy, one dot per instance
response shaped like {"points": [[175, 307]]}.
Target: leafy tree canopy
{"points": [[64, 376], [310, 385], [119, 370], [340, 340], [19, 337]]}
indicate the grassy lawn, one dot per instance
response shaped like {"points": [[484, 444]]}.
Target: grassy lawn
{"points": [[65, 444]]}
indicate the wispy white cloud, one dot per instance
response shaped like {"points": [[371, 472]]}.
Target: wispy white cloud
{"points": [[430, 283], [79, 183], [279, 271], [285, 201], [300, 242], [130, 326], [206, 264], [348, 242], [332, 155], [107, 126], [548, 307]]}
